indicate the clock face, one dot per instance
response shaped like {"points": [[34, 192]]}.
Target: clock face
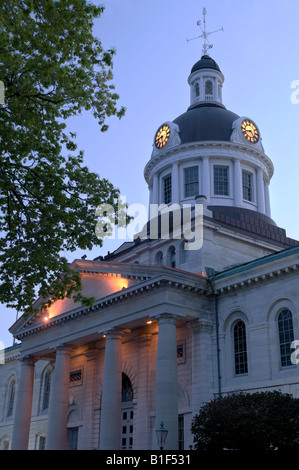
{"points": [[250, 131], [162, 136]]}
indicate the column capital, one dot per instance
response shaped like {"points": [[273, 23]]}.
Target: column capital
{"points": [[166, 318], [64, 349], [28, 360], [114, 333]]}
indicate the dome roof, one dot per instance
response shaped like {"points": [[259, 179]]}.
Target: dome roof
{"points": [[206, 121], [205, 63]]}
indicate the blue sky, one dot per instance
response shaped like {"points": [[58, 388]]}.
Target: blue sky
{"points": [[258, 53]]}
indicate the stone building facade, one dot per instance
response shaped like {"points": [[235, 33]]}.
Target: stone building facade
{"points": [[171, 327]]}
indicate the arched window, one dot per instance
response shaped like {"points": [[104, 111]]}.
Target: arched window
{"points": [[11, 397], [209, 90], [159, 258], [46, 390], [171, 257], [240, 348], [184, 254], [196, 89], [126, 389], [286, 336]]}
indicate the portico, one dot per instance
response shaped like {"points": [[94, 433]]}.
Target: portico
{"points": [[118, 328]]}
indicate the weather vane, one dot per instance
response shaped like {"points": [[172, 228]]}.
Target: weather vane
{"points": [[205, 34]]}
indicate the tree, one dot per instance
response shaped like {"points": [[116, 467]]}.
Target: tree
{"points": [[52, 68], [242, 421]]}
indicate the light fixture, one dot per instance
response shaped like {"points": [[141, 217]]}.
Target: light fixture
{"points": [[161, 434]]}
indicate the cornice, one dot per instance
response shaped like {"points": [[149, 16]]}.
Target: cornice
{"points": [[235, 146], [195, 284], [258, 271]]}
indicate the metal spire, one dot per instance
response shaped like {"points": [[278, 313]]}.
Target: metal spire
{"points": [[205, 34]]}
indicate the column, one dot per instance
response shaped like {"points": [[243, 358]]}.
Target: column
{"points": [[166, 379], [205, 182], [90, 377], [59, 400], [238, 187], [141, 423], [111, 393], [260, 191], [23, 408]]}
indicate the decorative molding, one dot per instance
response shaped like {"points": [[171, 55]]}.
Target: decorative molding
{"points": [[183, 151], [117, 297], [174, 139], [237, 135]]}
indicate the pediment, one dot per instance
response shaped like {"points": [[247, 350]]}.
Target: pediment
{"points": [[107, 282], [99, 280]]}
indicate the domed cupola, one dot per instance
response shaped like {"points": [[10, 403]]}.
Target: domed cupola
{"points": [[210, 151], [205, 80]]}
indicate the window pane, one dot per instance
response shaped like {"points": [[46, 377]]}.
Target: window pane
{"points": [[11, 398], [47, 386], [241, 366], [191, 181], [208, 87], [286, 336], [181, 432], [167, 189], [247, 186], [221, 180]]}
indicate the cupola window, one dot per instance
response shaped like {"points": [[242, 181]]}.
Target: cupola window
{"points": [[221, 181], [247, 186], [197, 90], [191, 181], [167, 189], [208, 90]]}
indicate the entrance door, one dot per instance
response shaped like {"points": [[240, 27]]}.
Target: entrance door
{"points": [[127, 416]]}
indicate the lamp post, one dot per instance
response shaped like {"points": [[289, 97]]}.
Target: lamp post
{"points": [[161, 435]]}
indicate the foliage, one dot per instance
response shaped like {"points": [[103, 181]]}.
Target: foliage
{"points": [[242, 421], [52, 68]]}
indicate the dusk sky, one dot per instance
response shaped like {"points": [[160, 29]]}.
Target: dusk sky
{"points": [[258, 53]]}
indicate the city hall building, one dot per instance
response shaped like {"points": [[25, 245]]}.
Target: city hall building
{"points": [[172, 326]]}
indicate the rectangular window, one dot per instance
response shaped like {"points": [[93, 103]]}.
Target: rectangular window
{"points": [[221, 181], [191, 181], [76, 377], [167, 189], [247, 186]]}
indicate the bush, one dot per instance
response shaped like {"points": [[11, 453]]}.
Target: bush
{"points": [[243, 421]]}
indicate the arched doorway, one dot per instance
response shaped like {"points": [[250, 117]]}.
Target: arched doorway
{"points": [[127, 414]]}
